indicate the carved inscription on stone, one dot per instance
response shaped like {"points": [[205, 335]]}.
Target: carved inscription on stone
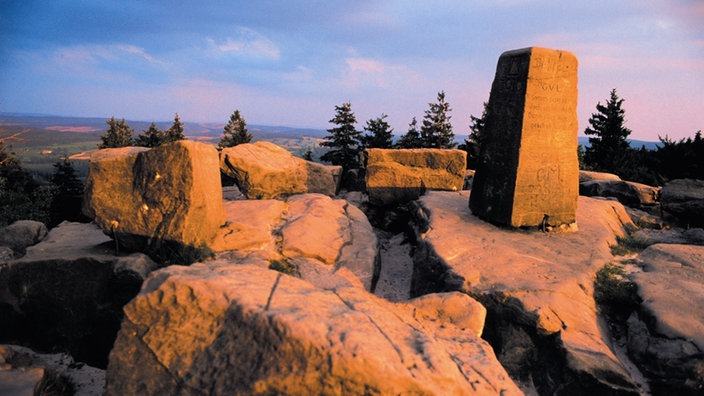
{"points": [[528, 171]]}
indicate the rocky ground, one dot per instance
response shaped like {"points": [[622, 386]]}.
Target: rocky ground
{"points": [[317, 294]]}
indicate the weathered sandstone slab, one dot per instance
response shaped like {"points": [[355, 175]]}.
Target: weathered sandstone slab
{"points": [[538, 286], [684, 198], [237, 329], [666, 332], [169, 194], [263, 170], [628, 193], [68, 291], [527, 173], [21, 234], [317, 234], [399, 176], [585, 176]]}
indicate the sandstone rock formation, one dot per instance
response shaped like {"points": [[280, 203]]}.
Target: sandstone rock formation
{"points": [[68, 291], [585, 176], [536, 286], [263, 170], [666, 332], [21, 234], [632, 194], [684, 198], [25, 372], [399, 176], [315, 234], [147, 199], [221, 328], [527, 174]]}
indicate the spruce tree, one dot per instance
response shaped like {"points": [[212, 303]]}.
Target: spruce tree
{"points": [[175, 132], [411, 139], [119, 134], [235, 132], [608, 136], [344, 139], [152, 137], [472, 143], [379, 133], [436, 131]]}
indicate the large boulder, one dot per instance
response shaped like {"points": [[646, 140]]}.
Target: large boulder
{"points": [[537, 287], [684, 198], [21, 234], [68, 291], [263, 170], [398, 176], [666, 331], [312, 233], [147, 199], [628, 193], [585, 176], [226, 328]]}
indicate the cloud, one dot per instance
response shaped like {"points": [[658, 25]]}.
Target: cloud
{"points": [[91, 54], [368, 72], [248, 44]]}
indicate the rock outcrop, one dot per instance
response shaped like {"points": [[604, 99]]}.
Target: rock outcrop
{"points": [[316, 235], [400, 176], [150, 199], [666, 331], [628, 193], [225, 328], [25, 372], [586, 176], [536, 286], [263, 170], [21, 234], [68, 291], [684, 198]]}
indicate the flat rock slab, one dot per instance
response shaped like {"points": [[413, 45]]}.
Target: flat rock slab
{"points": [[672, 288], [548, 277], [239, 329]]}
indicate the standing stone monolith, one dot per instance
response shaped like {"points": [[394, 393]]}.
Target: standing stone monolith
{"points": [[528, 172]]}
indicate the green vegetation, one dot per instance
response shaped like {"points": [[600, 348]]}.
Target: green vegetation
{"points": [[235, 132], [284, 266], [411, 139], [474, 140], [614, 292], [344, 140], [436, 131], [119, 134], [378, 133], [628, 245], [608, 141]]}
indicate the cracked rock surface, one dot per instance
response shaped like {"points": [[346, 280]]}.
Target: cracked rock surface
{"points": [[536, 286], [224, 328]]}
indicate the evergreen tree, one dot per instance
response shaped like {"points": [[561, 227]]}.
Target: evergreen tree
{"points": [[608, 137], [344, 139], [119, 134], [472, 143], [308, 154], [152, 137], [235, 132], [68, 193], [410, 139], [379, 133], [175, 132], [436, 131]]}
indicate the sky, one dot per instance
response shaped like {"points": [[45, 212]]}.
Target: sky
{"points": [[290, 62]]}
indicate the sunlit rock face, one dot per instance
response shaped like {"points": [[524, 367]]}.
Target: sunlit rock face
{"points": [[636, 195], [237, 329], [527, 173], [142, 197], [328, 241], [263, 170], [537, 287], [400, 176]]}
